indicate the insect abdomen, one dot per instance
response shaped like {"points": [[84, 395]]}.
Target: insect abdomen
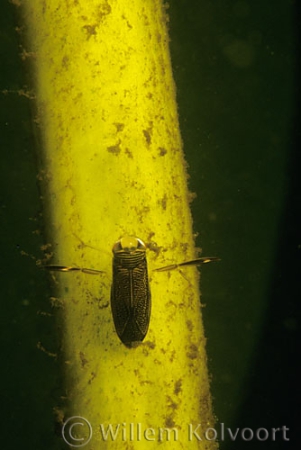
{"points": [[130, 297]]}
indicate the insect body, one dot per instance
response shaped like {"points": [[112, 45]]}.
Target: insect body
{"points": [[130, 292]]}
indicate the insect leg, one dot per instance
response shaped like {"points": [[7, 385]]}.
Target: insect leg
{"points": [[193, 262], [53, 267]]}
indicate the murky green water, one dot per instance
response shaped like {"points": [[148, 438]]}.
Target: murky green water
{"points": [[235, 70]]}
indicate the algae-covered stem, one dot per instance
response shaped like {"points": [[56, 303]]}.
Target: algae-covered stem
{"points": [[113, 164]]}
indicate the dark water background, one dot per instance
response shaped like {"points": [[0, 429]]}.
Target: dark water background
{"points": [[236, 70]]}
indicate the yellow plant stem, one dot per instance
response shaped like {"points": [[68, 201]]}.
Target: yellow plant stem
{"points": [[112, 165]]}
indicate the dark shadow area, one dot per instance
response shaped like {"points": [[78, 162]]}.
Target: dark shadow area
{"points": [[241, 136], [29, 376], [273, 384]]}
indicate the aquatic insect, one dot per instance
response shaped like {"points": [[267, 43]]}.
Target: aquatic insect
{"points": [[130, 292]]}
